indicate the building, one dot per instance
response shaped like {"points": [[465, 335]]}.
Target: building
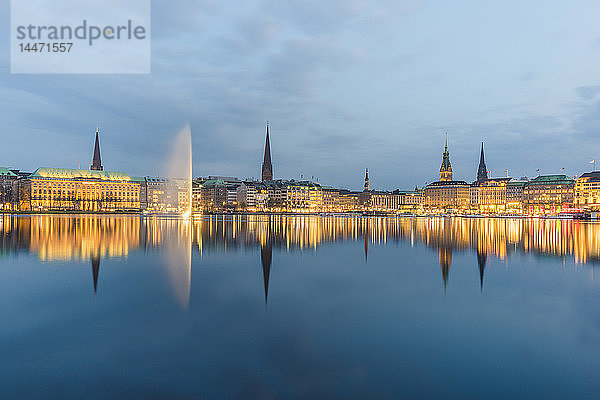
{"points": [[302, 196], [514, 195], [348, 200], [267, 166], [446, 194], [488, 196], [331, 199], [548, 194], [8, 189], [410, 201], [63, 189], [66, 189], [252, 195], [587, 191]]}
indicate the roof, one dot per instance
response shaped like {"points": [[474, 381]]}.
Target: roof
{"points": [[69, 173], [6, 172], [516, 183], [448, 183], [592, 176], [138, 179], [551, 180], [214, 182]]}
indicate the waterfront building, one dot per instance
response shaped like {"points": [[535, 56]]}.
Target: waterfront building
{"points": [[514, 195], [63, 189], [302, 196], [331, 199], [348, 200], [213, 195], [384, 201], [161, 195], [8, 189], [446, 194], [587, 191], [267, 166], [548, 194], [410, 201], [252, 195], [489, 195]]}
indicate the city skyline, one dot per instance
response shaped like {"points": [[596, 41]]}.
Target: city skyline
{"points": [[332, 91]]}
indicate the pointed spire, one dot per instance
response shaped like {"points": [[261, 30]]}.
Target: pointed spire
{"points": [[446, 168], [96, 160], [482, 174], [366, 187], [267, 167]]}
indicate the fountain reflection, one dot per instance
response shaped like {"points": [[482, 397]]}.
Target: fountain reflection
{"points": [[55, 237]]}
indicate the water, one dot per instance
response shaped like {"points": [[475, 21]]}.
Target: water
{"points": [[298, 307]]}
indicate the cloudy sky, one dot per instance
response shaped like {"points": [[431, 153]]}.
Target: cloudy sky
{"points": [[345, 84]]}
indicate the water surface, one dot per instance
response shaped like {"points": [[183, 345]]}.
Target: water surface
{"points": [[298, 307]]}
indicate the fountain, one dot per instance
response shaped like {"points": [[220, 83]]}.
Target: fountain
{"points": [[178, 241], [180, 169]]}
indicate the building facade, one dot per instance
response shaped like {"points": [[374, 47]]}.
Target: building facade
{"points": [[548, 194], [587, 191], [63, 189]]}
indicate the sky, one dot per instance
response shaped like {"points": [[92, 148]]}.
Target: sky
{"points": [[345, 85]]}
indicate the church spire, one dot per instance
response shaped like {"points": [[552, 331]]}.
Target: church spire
{"points": [[446, 168], [267, 167], [366, 189], [482, 170], [96, 161]]}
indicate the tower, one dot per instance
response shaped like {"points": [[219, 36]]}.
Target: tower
{"points": [[96, 161], [446, 168], [267, 167], [366, 189], [482, 170]]}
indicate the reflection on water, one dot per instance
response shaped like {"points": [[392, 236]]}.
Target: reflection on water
{"points": [[54, 238], [298, 307]]}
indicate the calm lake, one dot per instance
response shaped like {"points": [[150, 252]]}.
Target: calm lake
{"points": [[298, 307]]}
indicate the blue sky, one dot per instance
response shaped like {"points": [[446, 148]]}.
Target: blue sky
{"points": [[345, 84]]}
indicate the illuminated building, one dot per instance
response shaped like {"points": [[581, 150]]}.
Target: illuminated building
{"points": [[410, 200], [489, 195], [164, 195], [252, 195], [446, 194], [303, 196], [366, 187], [331, 199], [213, 195], [587, 191], [348, 200], [8, 189], [514, 195], [548, 194], [267, 166], [63, 189]]}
